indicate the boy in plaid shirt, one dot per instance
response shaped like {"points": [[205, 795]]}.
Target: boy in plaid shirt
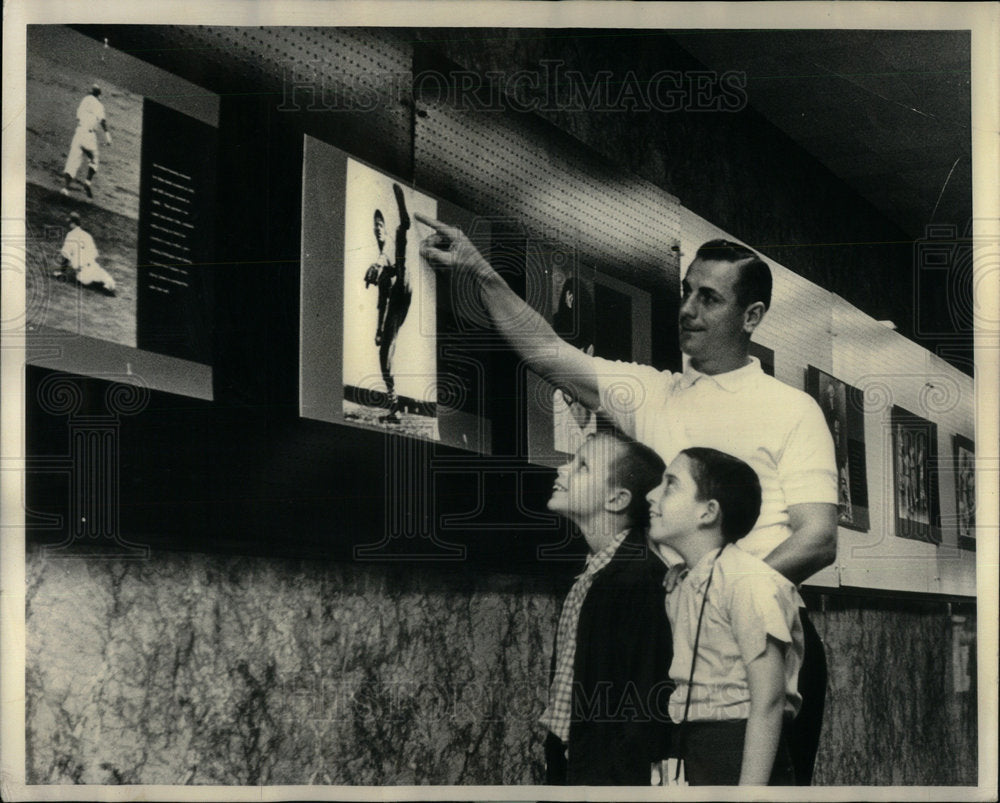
{"points": [[607, 706]]}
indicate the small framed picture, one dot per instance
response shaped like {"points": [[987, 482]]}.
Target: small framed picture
{"points": [[843, 409], [965, 491], [597, 314], [915, 485]]}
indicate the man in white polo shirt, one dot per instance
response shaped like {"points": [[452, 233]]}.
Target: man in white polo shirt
{"points": [[722, 400]]}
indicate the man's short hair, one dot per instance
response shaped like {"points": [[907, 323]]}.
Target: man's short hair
{"points": [[74, 217], [637, 468], [378, 216], [731, 483], [95, 90], [754, 283]]}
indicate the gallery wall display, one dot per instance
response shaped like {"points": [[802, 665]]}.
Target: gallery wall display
{"points": [[965, 490], [120, 200], [371, 318], [598, 315], [915, 479], [843, 409], [364, 343]]}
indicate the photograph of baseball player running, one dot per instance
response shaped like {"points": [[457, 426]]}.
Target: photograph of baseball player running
{"points": [[90, 116], [106, 213]]}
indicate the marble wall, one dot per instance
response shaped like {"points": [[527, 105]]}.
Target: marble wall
{"points": [[899, 711], [193, 669], [187, 669]]}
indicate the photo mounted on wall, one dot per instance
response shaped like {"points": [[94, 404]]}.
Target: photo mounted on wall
{"points": [[965, 491], [573, 320], [85, 193], [843, 409], [369, 316], [390, 360], [914, 455], [120, 193], [596, 314]]}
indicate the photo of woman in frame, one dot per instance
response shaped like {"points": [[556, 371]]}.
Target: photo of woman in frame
{"points": [[573, 320]]}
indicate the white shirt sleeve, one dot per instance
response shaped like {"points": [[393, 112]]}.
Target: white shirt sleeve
{"points": [[807, 468], [759, 607], [630, 393]]}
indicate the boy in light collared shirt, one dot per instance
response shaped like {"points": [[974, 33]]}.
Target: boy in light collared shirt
{"points": [[736, 627]]}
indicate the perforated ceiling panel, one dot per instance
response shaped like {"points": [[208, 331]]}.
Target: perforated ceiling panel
{"points": [[519, 166], [350, 86], [329, 56], [353, 87], [341, 79]]}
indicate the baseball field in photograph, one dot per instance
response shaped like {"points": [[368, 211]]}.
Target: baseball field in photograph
{"points": [[54, 90]]}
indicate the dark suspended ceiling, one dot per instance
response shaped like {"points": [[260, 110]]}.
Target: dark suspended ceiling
{"points": [[888, 112]]}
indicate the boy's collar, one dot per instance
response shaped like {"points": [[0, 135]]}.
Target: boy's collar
{"points": [[598, 560], [697, 574]]}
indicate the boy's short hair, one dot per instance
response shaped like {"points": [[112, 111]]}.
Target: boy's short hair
{"points": [[637, 468], [731, 483]]}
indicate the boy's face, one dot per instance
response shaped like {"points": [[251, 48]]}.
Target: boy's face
{"points": [[585, 484], [674, 508]]}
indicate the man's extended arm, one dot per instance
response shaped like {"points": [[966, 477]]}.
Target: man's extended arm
{"points": [[528, 333], [812, 544]]}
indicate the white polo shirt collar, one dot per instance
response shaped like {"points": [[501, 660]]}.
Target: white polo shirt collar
{"points": [[731, 381]]}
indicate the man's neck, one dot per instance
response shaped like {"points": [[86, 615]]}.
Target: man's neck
{"points": [[722, 364]]}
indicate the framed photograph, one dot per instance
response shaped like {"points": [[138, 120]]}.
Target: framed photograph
{"points": [[915, 484], [369, 331], [120, 199], [965, 491], [573, 319], [843, 409], [381, 345], [389, 356], [598, 315]]}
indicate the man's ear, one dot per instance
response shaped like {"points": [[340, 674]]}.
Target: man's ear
{"points": [[753, 315], [711, 514], [618, 500]]}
